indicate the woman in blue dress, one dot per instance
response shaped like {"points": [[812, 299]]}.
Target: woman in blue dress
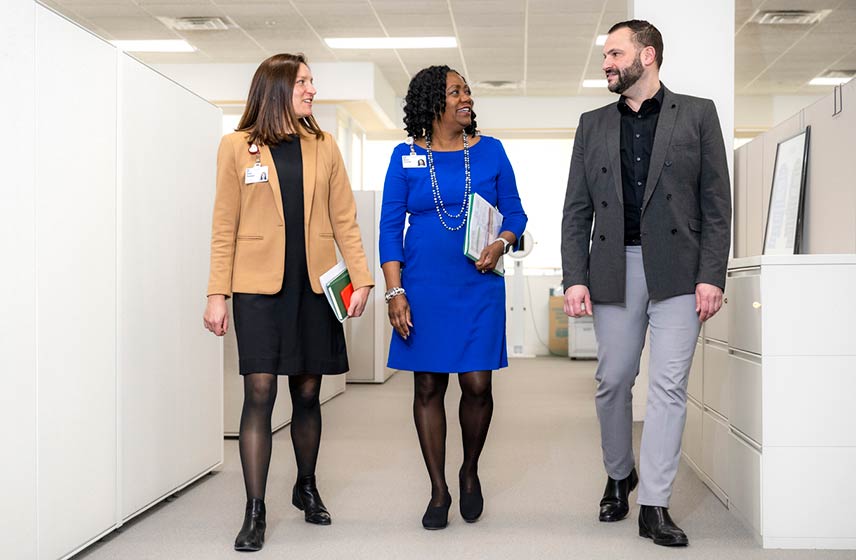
{"points": [[448, 312]]}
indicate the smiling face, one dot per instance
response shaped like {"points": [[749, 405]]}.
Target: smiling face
{"points": [[459, 103], [622, 60], [304, 92]]}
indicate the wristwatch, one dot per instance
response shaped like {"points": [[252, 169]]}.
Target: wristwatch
{"points": [[506, 245]]}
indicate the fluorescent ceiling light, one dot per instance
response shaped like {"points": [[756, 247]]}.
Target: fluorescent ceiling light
{"points": [[595, 83], [392, 43], [163, 46], [829, 81], [601, 40]]}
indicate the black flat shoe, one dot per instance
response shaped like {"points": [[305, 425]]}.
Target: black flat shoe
{"points": [[615, 504], [655, 523], [251, 537], [471, 503], [437, 517], [305, 497]]}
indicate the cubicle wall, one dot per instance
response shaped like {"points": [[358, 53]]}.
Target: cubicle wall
{"points": [[111, 389], [368, 337], [18, 281], [830, 200], [75, 217], [170, 367]]}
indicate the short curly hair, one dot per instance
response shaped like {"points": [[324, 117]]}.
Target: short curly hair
{"points": [[426, 101]]}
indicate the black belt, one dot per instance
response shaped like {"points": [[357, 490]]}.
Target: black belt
{"points": [[632, 241]]}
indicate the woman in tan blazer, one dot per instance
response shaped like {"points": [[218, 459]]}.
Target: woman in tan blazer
{"points": [[283, 199]]}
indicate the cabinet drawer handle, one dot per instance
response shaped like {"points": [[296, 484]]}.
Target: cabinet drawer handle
{"points": [[756, 305]]}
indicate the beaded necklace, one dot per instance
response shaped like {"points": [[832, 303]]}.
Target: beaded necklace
{"points": [[435, 187]]}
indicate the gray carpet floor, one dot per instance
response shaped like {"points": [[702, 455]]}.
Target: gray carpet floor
{"points": [[541, 473]]}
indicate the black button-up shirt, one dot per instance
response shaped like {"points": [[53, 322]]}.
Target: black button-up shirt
{"points": [[637, 142]]}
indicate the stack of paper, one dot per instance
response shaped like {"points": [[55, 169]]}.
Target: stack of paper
{"points": [[337, 286], [483, 225]]}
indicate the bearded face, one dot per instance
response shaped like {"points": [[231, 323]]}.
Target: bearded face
{"points": [[625, 77]]}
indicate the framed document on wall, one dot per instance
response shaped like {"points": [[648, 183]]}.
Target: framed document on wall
{"points": [[785, 216]]}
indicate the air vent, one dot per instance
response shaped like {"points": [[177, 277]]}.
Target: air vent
{"points": [[495, 85], [790, 17], [197, 23]]}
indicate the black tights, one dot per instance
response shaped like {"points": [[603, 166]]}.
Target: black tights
{"points": [[429, 414], [255, 436]]}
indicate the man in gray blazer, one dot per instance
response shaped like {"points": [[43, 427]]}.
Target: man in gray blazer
{"points": [[651, 172]]}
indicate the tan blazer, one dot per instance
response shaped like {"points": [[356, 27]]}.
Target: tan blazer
{"points": [[248, 230]]}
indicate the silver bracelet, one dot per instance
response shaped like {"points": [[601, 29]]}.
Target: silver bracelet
{"points": [[392, 292]]}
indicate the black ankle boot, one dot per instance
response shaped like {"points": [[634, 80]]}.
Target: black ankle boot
{"points": [[251, 537], [655, 523], [615, 504], [471, 503], [305, 497], [437, 517]]}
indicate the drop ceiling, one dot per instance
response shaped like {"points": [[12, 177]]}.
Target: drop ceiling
{"points": [[543, 47]]}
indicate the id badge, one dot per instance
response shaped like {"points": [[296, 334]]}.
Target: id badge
{"points": [[413, 161], [256, 174]]}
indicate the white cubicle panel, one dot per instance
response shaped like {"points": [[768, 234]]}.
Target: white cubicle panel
{"points": [[75, 186], [368, 336], [17, 283], [169, 365]]}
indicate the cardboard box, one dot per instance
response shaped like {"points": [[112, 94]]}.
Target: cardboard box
{"points": [[558, 338]]}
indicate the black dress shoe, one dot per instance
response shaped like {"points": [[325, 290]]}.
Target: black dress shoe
{"points": [[251, 537], [305, 498], [437, 517], [655, 523], [615, 505], [471, 503]]}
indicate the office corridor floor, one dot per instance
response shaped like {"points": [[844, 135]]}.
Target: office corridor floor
{"points": [[541, 473]]}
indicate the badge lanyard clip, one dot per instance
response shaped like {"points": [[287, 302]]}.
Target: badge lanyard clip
{"points": [[254, 150]]}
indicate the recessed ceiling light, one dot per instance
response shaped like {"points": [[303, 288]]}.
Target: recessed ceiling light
{"points": [[833, 78], [601, 40], [164, 46], [829, 81], [595, 83], [392, 43]]}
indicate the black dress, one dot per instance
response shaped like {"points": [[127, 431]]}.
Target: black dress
{"points": [[293, 331]]}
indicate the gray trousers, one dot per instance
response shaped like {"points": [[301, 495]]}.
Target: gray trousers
{"points": [[620, 331]]}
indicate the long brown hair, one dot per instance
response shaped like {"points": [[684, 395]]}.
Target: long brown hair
{"points": [[269, 115]]}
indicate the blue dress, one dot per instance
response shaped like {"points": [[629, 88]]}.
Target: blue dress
{"points": [[458, 313]]}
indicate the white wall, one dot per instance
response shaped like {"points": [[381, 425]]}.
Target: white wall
{"points": [[18, 281], [541, 170]]}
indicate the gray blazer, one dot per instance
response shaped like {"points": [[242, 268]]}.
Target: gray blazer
{"points": [[686, 209]]}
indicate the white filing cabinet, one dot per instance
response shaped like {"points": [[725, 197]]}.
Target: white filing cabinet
{"points": [[581, 339], [776, 428]]}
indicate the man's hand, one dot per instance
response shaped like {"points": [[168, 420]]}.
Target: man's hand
{"points": [[708, 300], [577, 301]]}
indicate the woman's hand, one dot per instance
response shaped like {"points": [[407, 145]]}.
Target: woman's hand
{"points": [[399, 315], [216, 318], [490, 255], [358, 301]]}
